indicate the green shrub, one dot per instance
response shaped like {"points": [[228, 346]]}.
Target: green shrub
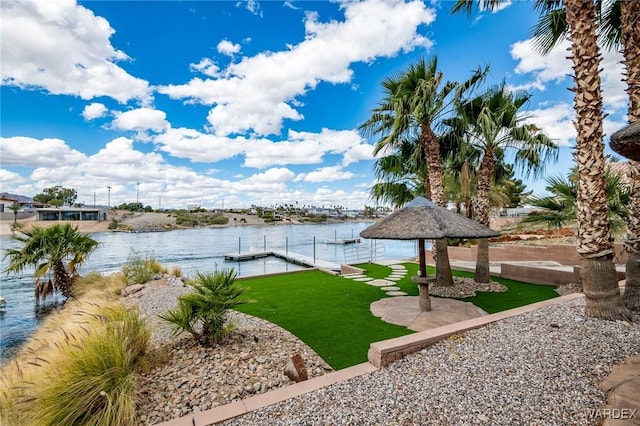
{"points": [[202, 313], [219, 220], [140, 269]]}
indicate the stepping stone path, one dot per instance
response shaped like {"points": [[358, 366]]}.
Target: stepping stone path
{"points": [[387, 284]]}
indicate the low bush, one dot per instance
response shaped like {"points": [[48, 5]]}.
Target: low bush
{"points": [[202, 313], [140, 269]]}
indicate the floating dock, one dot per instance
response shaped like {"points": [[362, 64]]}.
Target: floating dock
{"points": [[343, 241], [295, 258]]}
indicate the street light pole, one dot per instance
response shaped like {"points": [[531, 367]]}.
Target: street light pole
{"points": [[108, 197], [137, 192]]}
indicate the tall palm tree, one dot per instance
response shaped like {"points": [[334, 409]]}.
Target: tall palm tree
{"points": [[58, 250], [492, 124], [595, 243], [415, 102], [619, 21]]}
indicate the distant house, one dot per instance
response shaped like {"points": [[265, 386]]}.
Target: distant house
{"points": [[72, 213]]}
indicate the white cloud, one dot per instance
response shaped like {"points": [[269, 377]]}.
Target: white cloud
{"points": [[141, 120], [259, 92], [10, 177], [298, 148], [302, 148], [556, 122], [252, 6], [93, 111], [30, 152], [199, 147], [325, 174], [227, 48], [207, 67], [556, 67], [546, 68], [63, 48]]}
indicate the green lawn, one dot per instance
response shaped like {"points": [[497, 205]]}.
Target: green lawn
{"points": [[331, 314]]}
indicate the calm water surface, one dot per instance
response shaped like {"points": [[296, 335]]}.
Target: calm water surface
{"points": [[201, 249]]}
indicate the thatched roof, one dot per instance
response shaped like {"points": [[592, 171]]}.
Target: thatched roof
{"points": [[422, 219], [626, 141]]}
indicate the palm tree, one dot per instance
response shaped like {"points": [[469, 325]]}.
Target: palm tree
{"points": [[15, 207], [59, 250], [400, 175], [415, 102], [559, 208], [619, 21], [595, 243], [493, 125]]}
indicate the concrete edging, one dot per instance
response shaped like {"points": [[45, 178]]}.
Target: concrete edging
{"points": [[385, 352], [238, 408]]}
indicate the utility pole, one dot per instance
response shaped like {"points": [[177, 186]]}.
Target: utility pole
{"points": [[108, 197], [137, 192]]}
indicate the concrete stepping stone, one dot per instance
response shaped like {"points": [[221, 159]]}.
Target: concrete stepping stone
{"points": [[395, 277], [354, 276], [380, 283], [390, 288], [396, 293], [398, 267], [364, 279]]}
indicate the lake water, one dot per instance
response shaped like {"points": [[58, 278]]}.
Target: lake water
{"points": [[200, 249]]}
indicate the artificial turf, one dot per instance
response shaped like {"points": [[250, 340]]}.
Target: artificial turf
{"points": [[331, 313]]}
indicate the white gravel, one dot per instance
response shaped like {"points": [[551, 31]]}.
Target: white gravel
{"points": [[540, 368]]}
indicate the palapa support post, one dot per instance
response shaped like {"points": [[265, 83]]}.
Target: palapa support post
{"points": [[424, 301]]}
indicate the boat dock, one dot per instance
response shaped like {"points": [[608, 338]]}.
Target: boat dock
{"points": [[343, 241], [295, 258]]}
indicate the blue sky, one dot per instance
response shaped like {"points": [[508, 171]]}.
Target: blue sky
{"points": [[234, 103]]}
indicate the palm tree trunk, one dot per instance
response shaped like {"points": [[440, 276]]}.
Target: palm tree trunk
{"points": [[485, 173], [431, 149], [630, 35], [595, 243]]}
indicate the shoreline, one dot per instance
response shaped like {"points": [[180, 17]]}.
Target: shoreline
{"points": [[158, 220]]}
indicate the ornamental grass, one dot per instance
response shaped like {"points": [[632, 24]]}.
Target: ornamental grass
{"points": [[79, 367]]}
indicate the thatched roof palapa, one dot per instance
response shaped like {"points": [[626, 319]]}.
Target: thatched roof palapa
{"points": [[422, 219], [626, 141]]}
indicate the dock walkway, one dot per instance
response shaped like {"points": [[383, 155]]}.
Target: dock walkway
{"points": [[295, 258]]}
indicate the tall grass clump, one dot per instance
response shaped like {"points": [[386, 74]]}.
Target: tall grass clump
{"points": [[202, 313], [141, 269], [78, 368]]}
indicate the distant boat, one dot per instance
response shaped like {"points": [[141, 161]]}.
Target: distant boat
{"points": [[3, 304], [343, 241]]}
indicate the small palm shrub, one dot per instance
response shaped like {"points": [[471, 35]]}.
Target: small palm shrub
{"points": [[202, 312], [140, 269], [79, 368]]}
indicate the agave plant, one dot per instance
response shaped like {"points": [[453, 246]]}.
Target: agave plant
{"points": [[202, 313]]}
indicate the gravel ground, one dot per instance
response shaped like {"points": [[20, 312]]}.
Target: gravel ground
{"points": [[184, 377], [540, 368]]}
